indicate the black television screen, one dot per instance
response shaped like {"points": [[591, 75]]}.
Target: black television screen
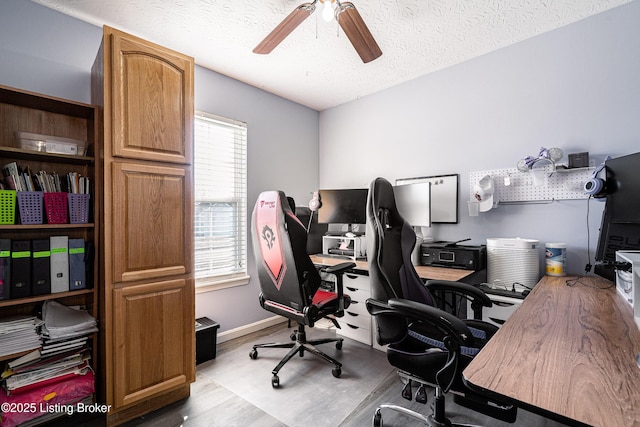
{"points": [[620, 228], [347, 206]]}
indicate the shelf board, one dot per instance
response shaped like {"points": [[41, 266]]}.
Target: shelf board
{"points": [[23, 154], [28, 300], [31, 227]]}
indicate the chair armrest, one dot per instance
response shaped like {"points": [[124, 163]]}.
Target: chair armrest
{"points": [[339, 268], [460, 288], [338, 271], [447, 323]]}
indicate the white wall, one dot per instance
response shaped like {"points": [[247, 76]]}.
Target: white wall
{"points": [[577, 88], [47, 52]]}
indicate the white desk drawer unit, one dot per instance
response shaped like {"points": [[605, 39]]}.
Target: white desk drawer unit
{"points": [[356, 322], [499, 312]]}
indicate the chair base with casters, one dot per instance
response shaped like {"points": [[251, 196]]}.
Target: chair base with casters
{"points": [[300, 345], [438, 418]]}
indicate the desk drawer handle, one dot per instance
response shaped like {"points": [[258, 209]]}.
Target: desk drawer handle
{"points": [[352, 327], [498, 321], [352, 289], [352, 314], [351, 276], [503, 304]]}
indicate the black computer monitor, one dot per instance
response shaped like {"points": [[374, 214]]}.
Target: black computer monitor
{"points": [[620, 228], [346, 206]]}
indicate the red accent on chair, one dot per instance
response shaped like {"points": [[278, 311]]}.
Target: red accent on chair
{"points": [[268, 229]]}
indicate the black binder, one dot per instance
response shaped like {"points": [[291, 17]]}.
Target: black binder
{"points": [[20, 269], [40, 267], [5, 269]]}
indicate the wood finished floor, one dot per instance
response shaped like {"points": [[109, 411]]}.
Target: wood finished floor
{"points": [[212, 405]]}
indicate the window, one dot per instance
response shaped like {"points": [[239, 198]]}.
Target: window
{"points": [[220, 226]]}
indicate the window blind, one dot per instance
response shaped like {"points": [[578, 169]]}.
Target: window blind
{"points": [[220, 224]]}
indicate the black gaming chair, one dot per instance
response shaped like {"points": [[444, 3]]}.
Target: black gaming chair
{"points": [[289, 282], [428, 345]]}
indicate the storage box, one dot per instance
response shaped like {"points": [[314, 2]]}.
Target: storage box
{"points": [[206, 337], [7, 206], [55, 205], [51, 144], [30, 207], [78, 208]]}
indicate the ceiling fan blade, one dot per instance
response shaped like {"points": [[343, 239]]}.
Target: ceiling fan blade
{"points": [[358, 33], [285, 28]]}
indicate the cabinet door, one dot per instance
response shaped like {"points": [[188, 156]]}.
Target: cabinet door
{"points": [[154, 347], [152, 89], [152, 222]]}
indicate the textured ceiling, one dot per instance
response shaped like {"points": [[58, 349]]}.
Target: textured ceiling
{"points": [[316, 65]]}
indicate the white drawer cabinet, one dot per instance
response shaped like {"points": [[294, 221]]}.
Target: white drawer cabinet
{"points": [[356, 322], [499, 312]]}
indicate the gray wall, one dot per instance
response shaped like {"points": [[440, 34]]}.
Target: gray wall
{"points": [[47, 52], [577, 88]]}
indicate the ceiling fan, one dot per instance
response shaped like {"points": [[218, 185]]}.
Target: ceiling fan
{"points": [[347, 16]]}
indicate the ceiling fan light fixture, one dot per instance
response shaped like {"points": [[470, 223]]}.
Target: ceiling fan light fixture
{"points": [[327, 10]]}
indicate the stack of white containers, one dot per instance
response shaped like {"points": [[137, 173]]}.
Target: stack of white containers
{"points": [[513, 263]]}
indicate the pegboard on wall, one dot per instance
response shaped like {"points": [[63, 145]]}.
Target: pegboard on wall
{"points": [[542, 184]]}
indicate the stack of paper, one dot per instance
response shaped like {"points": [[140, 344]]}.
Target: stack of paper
{"points": [[62, 322], [19, 334], [35, 370]]}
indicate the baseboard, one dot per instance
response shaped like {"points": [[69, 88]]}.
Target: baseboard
{"points": [[250, 328]]}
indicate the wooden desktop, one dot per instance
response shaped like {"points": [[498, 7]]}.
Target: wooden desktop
{"points": [[568, 353], [425, 272]]}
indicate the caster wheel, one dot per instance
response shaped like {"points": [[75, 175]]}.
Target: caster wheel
{"points": [[292, 336], [421, 395], [339, 345], [336, 372], [377, 419], [275, 381], [253, 354], [406, 391]]}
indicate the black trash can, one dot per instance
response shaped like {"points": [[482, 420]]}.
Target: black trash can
{"points": [[206, 337]]}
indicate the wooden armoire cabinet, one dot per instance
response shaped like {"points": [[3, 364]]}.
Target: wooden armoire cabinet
{"points": [[147, 312]]}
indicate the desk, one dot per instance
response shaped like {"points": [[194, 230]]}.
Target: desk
{"points": [[357, 323], [567, 353], [425, 272]]}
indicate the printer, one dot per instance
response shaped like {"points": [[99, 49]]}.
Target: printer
{"points": [[450, 254]]}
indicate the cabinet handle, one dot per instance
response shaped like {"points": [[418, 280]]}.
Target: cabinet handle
{"points": [[352, 327], [498, 321], [352, 289], [351, 276], [352, 314]]}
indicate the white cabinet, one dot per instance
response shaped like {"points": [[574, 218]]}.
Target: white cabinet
{"points": [[356, 323], [499, 312]]}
